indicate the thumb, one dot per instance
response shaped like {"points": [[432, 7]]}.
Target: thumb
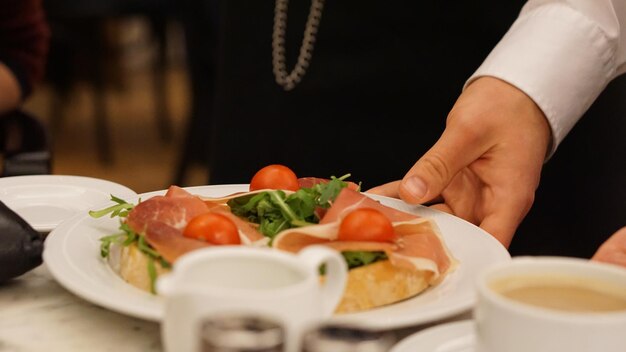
{"points": [[433, 172]]}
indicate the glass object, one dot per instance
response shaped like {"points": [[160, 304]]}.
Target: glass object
{"points": [[345, 338], [241, 333]]}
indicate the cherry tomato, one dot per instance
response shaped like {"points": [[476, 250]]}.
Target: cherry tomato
{"points": [[213, 228], [366, 224], [275, 177]]}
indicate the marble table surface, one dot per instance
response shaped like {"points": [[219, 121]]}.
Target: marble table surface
{"points": [[37, 314]]}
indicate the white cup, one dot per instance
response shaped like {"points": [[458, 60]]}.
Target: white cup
{"points": [[505, 323], [249, 280]]}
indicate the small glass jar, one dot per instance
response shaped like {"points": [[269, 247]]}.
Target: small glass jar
{"points": [[346, 338], [241, 333]]}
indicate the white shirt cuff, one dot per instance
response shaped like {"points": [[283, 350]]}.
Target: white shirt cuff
{"points": [[559, 58]]}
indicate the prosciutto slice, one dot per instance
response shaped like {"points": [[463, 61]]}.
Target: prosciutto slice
{"points": [[162, 220], [417, 245], [175, 211], [169, 241], [349, 200]]}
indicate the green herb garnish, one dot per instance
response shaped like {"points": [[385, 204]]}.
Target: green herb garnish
{"points": [[127, 237], [107, 241], [276, 211], [152, 274], [120, 209], [355, 259]]}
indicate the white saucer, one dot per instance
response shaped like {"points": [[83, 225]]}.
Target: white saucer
{"points": [[451, 337], [44, 201]]}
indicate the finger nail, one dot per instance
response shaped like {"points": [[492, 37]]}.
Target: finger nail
{"points": [[415, 186]]}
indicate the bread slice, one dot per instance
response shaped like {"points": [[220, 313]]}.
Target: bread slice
{"points": [[132, 265], [369, 286], [379, 284]]}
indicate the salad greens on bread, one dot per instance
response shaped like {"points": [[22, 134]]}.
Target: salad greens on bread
{"points": [[127, 237], [273, 211], [276, 211]]}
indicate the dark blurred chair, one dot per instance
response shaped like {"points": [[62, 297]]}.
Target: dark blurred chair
{"points": [[80, 50], [78, 26], [24, 145], [199, 20]]}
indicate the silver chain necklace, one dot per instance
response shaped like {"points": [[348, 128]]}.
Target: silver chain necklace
{"points": [[289, 80]]}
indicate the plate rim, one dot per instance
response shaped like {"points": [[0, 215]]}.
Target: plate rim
{"points": [[60, 180], [459, 328], [154, 310]]}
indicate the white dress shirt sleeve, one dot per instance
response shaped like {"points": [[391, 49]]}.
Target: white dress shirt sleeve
{"points": [[562, 54]]}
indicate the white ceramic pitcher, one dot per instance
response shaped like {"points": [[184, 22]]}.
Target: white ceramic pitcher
{"points": [[250, 280]]}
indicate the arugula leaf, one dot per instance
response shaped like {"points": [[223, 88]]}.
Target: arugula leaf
{"points": [[124, 238], [120, 209], [107, 241], [278, 198], [355, 259], [131, 236], [330, 190], [145, 247], [275, 211], [128, 237], [249, 203], [271, 227], [303, 204], [152, 274]]}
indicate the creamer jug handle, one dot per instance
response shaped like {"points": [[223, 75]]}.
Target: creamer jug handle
{"points": [[335, 274]]}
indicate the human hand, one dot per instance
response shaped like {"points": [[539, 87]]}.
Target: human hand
{"points": [[613, 250], [486, 165]]}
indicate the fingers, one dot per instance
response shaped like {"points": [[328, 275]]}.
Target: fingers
{"points": [[442, 207], [391, 190], [500, 227], [613, 250], [508, 206], [388, 189], [457, 148]]}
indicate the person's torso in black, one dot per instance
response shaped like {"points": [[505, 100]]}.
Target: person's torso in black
{"points": [[383, 77], [381, 81]]}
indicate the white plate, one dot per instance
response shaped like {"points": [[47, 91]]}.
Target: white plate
{"points": [[44, 201], [451, 337], [73, 257]]}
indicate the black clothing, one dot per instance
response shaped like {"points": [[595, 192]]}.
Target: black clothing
{"points": [[383, 77]]}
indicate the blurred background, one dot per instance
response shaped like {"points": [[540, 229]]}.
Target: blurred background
{"points": [[149, 93], [117, 97]]}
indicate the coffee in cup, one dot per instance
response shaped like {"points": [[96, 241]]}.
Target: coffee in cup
{"points": [[546, 304], [562, 292]]}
